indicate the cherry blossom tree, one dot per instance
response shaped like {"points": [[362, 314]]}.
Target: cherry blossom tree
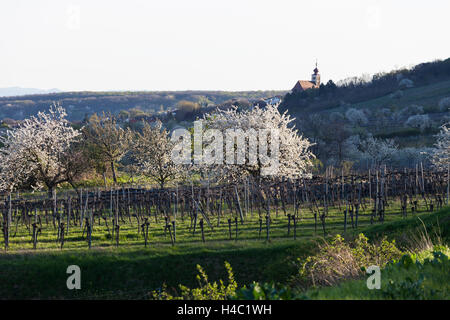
{"points": [[444, 104], [441, 154], [378, 150], [291, 149], [419, 121], [39, 150], [356, 116], [151, 152]]}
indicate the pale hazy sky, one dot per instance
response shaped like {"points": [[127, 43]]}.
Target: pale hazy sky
{"points": [[212, 45]]}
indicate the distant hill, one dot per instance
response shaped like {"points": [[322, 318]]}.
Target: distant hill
{"points": [[19, 91], [80, 104], [358, 90], [407, 105]]}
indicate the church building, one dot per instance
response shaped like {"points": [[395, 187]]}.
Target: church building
{"points": [[303, 85]]}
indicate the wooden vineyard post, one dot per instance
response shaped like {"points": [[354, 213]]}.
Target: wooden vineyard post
{"points": [[219, 213], [9, 216], [174, 228], [370, 189], [289, 224], [113, 229], [69, 209], [195, 218], [404, 205], [170, 233], [201, 229], [88, 232], [229, 228], [295, 227], [176, 208], [345, 215], [236, 224], [144, 227], [60, 230], [295, 198], [36, 230], [61, 226], [350, 210], [245, 196], [111, 212], [315, 221], [166, 220], [260, 228], [267, 228], [117, 227], [5, 227], [194, 208], [81, 209], [238, 203]]}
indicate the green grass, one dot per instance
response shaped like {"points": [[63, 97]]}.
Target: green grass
{"points": [[436, 281], [426, 96], [307, 228], [400, 230], [131, 271], [400, 280]]}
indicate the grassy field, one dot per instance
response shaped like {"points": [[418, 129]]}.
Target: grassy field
{"points": [[413, 279], [131, 237], [402, 280], [426, 96], [131, 271]]}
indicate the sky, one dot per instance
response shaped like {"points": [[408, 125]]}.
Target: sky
{"points": [[212, 45]]}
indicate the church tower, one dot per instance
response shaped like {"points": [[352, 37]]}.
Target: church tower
{"points": [[315, 77], [302, 85]]}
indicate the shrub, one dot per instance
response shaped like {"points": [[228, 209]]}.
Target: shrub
{"points": [[444, 104], [397, 94], [356, 116], [421, 280], [420, 121], [406, 83], [338, 260], [263, 291], [205, 291]]}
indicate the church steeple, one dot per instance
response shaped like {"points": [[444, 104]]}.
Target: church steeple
{"points": [[315, 77], [314, 83]]}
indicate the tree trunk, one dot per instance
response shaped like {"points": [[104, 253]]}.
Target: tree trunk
{"points": [[77, 190], [50, 192], [113, 169]]}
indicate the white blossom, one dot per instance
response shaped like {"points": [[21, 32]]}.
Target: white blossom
{"points": [[152, 151], [444, 104], [406, 83], [294, 156], [441, 154], [378, 150], [356, 116], [419, 121], [37, 149]]}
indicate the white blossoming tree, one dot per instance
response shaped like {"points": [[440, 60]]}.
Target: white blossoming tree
{"points": [[293, 157], [378, 150], [441, 154], [419, 121], [38, 150], [356, 116], [151, 152], [444, 104]]}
